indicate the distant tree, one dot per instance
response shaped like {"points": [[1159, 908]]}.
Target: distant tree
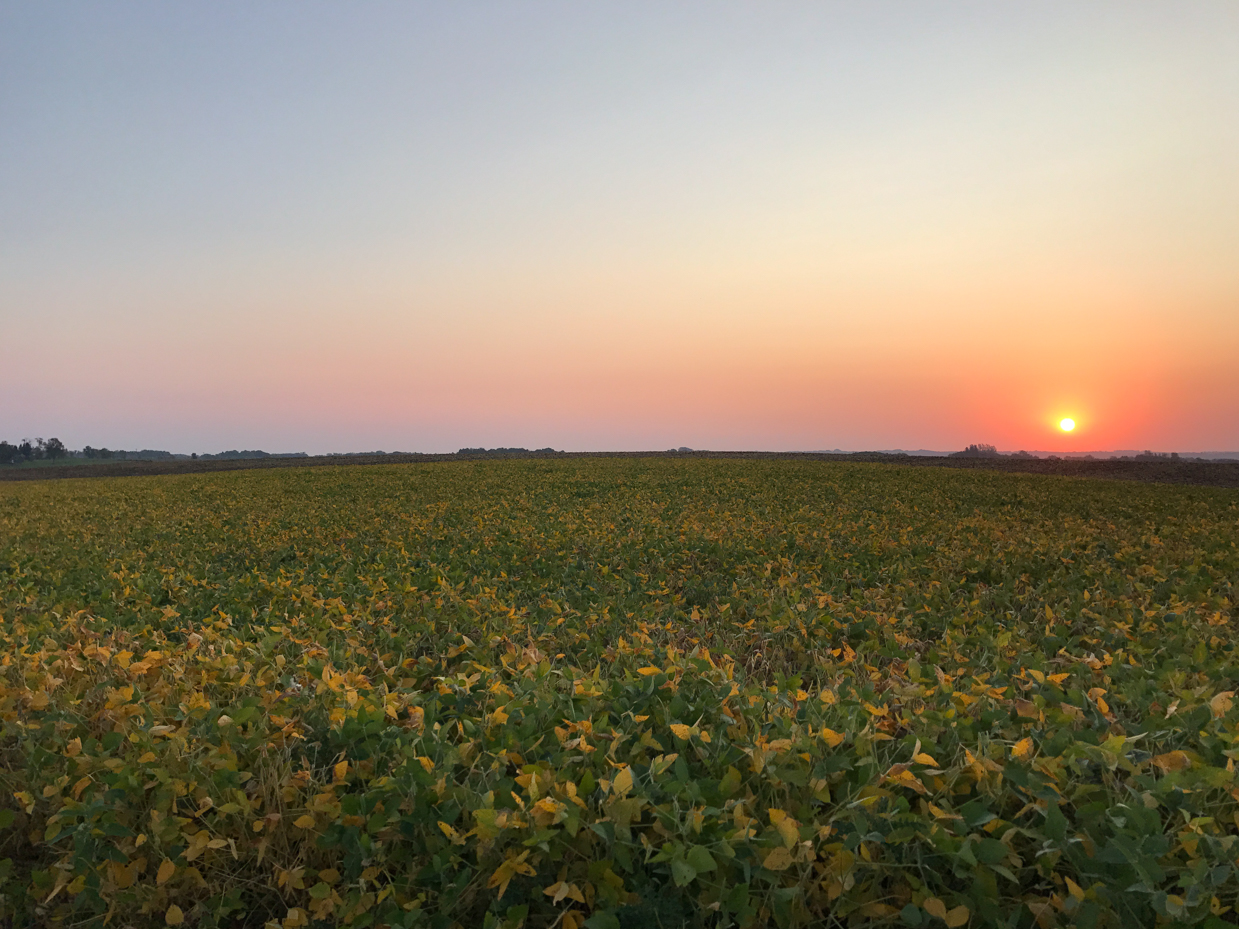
{"points": [[54, 449], [194, 456], [8, 453], [977, 451], [25, 450]]}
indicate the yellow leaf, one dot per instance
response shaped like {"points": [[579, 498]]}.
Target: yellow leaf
{"points": [[957, 916], [1172, 761], [305, 821], [778, 859], [648, 670], [787, 827], [622, 783], [451, 833], [682, 731], [340, 771], [562, 890], [876, 710], [223, 722], [511, 867], [1075, 889], [1222, 703], [166, 870], [174, 916], [903, 777], [147, 758], [878, 910], [1022, 749], [75, 747], [573, 920], [935, 907], [833, 739], [922, 758]]}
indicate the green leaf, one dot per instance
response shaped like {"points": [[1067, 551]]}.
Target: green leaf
{"points": [[700, 859], [738, 899], [990, 851], [1055, 823], [602, 920], [682, 872]]}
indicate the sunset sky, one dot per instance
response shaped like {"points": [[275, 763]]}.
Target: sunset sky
{"points": [[335, 227]]}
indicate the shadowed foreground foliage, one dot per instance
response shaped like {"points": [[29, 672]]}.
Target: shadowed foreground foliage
{"points": [[617, 693]]}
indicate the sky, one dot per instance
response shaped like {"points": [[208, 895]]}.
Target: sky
{"points": [[415, 226]]}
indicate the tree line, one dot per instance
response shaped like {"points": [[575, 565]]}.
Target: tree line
{"points": [[52, 450], [32, 450]]}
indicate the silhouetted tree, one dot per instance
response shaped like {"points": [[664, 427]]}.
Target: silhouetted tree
{"points": [[977, 451], [54, 449]]}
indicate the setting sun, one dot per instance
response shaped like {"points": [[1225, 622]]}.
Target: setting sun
{"points": [[1067, 425]]}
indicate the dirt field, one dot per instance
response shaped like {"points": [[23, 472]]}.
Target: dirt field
{"points": [[1212, 474]]}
